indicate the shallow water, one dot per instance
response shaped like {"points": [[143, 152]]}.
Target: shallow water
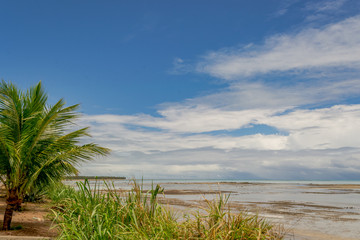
{"points": [[308, 210]]}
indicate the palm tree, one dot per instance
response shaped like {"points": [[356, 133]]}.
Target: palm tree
{"points": [[38, 143]]}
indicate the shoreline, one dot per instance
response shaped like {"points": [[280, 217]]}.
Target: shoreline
{"points": [[311, 211], [308, 212]]}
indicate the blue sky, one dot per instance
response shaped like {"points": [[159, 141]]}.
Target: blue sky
{"points": [[199, 89]]}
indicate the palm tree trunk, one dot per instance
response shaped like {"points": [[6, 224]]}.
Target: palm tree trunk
{"points": [[8, 217], [17, 207], [12, 201]]}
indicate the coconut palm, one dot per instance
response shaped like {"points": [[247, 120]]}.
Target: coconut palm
{"points": [[38, 143]]}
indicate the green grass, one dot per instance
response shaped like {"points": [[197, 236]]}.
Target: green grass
{"points": [[94, 214]]}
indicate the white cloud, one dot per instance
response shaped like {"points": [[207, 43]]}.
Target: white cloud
{"points": [[335, 45], [242, 164], [205, 136], [326, 128], [121, 139], [325, 6], [180, 67], [205, 119], [333, 127], [276, 96], [284, 7], [320, 143]]}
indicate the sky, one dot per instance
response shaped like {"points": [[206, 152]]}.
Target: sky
{"points": [[259, 89]]}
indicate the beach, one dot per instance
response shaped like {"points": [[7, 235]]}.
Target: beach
{"points": [[306, 210], [34, 221], [303, 210]]}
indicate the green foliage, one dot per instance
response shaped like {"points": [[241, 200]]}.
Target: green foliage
{"points": [[98, 214], [18, 227], [57, 192], [38, 144], [34, 196]]}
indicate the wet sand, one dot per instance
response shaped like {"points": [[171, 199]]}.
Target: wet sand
{"points": [[307, 212]]}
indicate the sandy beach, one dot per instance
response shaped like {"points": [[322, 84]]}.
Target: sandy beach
{"points": [[305, 211], [34, 222]]}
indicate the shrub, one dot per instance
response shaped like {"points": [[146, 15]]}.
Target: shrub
{"points": [[97, 214]]}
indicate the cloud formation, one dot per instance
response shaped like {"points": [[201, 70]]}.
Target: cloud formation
{"points": [[325, 6], [163, 152], [334, 127], [305, 127], [335, 45]]}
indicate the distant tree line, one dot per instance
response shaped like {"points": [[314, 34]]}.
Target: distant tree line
{"points": [[93, 177]]}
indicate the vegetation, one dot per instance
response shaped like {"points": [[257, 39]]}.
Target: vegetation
{"points": [[94, 177], [94, 214], [38, 145]]}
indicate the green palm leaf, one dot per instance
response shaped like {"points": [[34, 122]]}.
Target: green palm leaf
{"points": [[38, 143]]}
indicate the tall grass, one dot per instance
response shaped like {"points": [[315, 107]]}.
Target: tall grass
{"points": [[94, 214]]}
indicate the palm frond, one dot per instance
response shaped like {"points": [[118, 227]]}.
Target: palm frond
{"points": [[64, 163], [38, 144]]}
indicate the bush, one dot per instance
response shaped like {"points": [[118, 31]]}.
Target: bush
{"points": [[94, 214]]}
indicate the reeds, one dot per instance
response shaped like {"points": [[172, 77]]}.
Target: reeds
{"points": [[95, 214]]}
